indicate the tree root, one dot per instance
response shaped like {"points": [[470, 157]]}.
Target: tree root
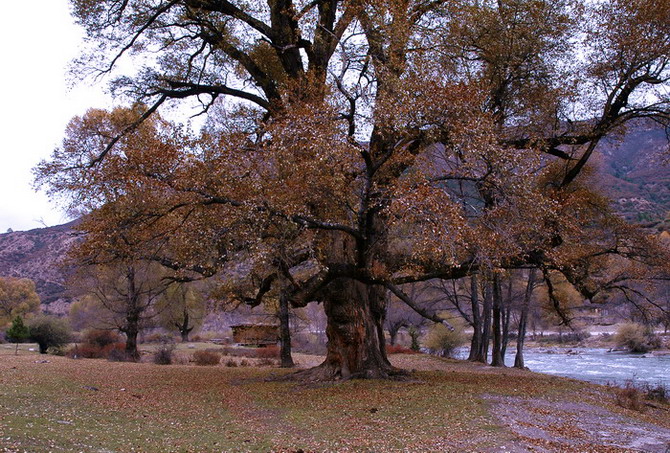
{"points": [[327, 372]]}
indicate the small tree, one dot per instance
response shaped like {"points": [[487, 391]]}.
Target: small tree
{"points": [[443, 341], [17, 333], [18, 297], [48, 332]]}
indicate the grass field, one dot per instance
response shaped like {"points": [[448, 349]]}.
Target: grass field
{"points": [[50, 403]]}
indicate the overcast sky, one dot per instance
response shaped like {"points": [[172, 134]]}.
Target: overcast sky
{"points": [[37, 41]]}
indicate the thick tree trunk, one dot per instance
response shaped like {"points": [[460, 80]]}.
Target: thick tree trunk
{"points": [[286, 360], [184, 329], [132, 329], [496, 354], [523, 321], [356, 345], [43, 347], [476, 341]]}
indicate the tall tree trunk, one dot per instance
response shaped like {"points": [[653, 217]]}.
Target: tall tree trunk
{"points": [[496, 354], [356, 345], [184, 329], [486, 324], [286, 360], [132, 329], [506, 312], [476, 341], [523, 320], [393, 333]]}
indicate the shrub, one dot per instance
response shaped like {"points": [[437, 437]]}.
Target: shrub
{"points": [[268, 352], [266, 362], [442, 341], [565, 338], [117, 353], [57, 350], [397, 349], [636, 338], [205, 358], [658, 392], [48, 331], [100, 338], [163, 355], [85, 351], [414, 334], [630, 397]]}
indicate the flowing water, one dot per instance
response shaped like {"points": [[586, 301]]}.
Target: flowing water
{"points": [[597, 365]]}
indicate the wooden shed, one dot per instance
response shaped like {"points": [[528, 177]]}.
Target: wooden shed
{"points": [[255, 334]]}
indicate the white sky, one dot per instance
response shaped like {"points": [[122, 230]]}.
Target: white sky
{"points": [[37, 41]]}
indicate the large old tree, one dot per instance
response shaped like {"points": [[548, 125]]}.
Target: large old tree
{"points": [[355, 146]]}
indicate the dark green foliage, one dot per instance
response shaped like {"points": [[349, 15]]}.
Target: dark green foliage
{"points": [[18, 332], [49, 332]]}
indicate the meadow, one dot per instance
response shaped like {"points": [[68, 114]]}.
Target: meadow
{"points": [[52, 403]]}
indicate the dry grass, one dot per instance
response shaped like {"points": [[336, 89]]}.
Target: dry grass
{"points": [[95, 405]]}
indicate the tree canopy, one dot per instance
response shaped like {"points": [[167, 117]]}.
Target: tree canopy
{"points": [[18, 298], [375, 142]]}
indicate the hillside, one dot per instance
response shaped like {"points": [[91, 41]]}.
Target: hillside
{"points": [[37, 254], [636, 174]]}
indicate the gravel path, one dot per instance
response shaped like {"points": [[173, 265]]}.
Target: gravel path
{"points": [[552, 426]]}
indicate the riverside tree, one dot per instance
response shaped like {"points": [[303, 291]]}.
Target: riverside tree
{"points": [[383, 142]]}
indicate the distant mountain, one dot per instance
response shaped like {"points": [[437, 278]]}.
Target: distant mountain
{"points": [[635, 171], [37, 254]]}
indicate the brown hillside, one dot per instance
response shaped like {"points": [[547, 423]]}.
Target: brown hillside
{"points": [[38, 254]]}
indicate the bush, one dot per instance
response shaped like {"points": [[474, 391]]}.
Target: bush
{"points": [[414, 334], [266, 362], [163, 355], [48, 331], [565, 338], [268, 352], [117, 353], [636, 338], [442, 341], [205, 358], [397, 349], [658, 392], [84, 351], [630, 397], [100, 338]]}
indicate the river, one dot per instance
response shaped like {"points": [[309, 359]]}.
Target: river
{"points": [[596, 365]]}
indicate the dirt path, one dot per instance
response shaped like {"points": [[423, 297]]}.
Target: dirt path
{"points": [[552, 426]]}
